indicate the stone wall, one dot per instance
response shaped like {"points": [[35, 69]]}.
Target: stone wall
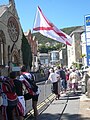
{"points": [[10, 25]]}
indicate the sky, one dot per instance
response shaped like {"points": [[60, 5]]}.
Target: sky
{"points": [[62, 13]]}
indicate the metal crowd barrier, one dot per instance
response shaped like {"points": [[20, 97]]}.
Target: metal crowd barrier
{"points": [[45, 91]]}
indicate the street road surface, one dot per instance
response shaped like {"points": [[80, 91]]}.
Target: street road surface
{"points": [[67, 108]]}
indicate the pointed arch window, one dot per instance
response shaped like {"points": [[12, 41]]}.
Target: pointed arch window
{"points": [[2, 45]]}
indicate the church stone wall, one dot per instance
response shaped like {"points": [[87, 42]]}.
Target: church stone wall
{"points": [[14, 45]]}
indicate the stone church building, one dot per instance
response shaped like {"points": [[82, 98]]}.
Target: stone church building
{"points": [[10, 38]]}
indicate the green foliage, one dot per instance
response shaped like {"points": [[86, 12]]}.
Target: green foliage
{"points": [[83, 55], [58, 46], [43, 49], [26, 52]]}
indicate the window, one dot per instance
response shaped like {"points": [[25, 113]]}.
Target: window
{"points": [[2, 42]]}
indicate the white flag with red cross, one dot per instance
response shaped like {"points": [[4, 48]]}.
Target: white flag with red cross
{"points": [[48, 29]]}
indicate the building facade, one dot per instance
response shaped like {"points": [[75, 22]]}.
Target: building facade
{"points": [[84, 56], [75, 51], [10, 38], [44, 59], [54, 57]]}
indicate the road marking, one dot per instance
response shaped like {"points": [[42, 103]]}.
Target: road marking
{"points": [[50, 98]]}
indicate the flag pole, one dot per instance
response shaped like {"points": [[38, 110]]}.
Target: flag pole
{"points": [[34, 21], [33, 39]]}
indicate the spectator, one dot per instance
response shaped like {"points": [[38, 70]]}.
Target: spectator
{"points": [[67, 77], [19, 91], [57, 70], [85, 79], [54, 77], [11, 98], [73, 78], [63, 80], [31, 94]]}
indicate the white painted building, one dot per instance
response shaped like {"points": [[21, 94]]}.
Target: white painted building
{"points": [[71, 53], [54, 57], [83, 42], [75, 51], [44, 58]]}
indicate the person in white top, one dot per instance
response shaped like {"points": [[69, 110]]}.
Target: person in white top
{"points": [[73, 78], [54, 77]]}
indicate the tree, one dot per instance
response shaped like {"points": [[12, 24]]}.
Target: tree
{"points": [[58, 46], [43, 49], [26, 52]]}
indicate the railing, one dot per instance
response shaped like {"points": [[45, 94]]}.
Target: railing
{"points": [[45, 91]]}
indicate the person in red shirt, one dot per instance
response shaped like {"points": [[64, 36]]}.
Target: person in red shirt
{"points": [[8, 89]]}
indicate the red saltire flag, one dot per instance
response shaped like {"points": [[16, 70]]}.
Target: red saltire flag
{"points": [[48, 29]]}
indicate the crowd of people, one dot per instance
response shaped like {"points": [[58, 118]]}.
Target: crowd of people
{"points": [[15, 90], [63, 80]]}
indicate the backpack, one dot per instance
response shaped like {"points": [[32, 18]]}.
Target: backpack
{"points": [[18, 87], [31, 82], [12, 99]]}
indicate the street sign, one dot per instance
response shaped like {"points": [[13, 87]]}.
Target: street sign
{"points": [[87, 36]]}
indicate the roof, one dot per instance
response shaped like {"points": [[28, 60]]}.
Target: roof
{"points": [[3, 8], [26, 33], [81, 29], [78, 30]]}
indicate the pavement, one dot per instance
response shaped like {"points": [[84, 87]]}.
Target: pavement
{"points": [[52, 109], [84, 110]]}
